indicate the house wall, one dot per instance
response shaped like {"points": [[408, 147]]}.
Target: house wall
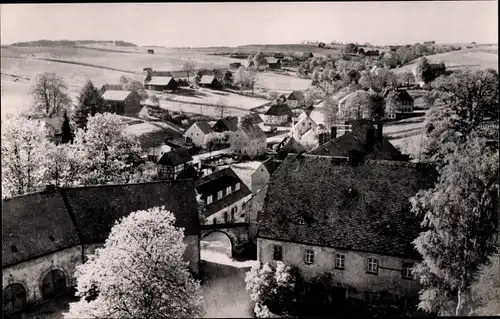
{"points": [[251, 211], [219, 215], [31, 273], [196, 135], [272, 119], [303, 126], [259, 178], [241, 144], [354, 275]]}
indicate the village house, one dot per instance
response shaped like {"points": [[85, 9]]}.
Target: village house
{"points": [[172, 163], [263, 173], [301, 125], [123, 102], [113, 87], [248, 140], [228, 123], [257, 120], [363, 140], [295, 99], [155, 153], [278, 55], [325, 214], [180, 142], [403, 100], [46, 235], [273, 63], [277, 114], [224, 194], [209, 81], [197, 132], [161, 83]]}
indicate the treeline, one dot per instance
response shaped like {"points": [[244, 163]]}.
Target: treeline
{"points": [[48, 43]]}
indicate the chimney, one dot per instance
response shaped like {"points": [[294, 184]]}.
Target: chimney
{"points": [[333, 133], [380, 130], [322, 138], [370, 139]]}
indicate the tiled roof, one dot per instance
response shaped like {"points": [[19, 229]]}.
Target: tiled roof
{"points": [[287, 146], [363, 208], [112, 95], [28, 222], [253, 132], [175, 157], [46, 222], [204, 127], [256, 119], [160, 80], [207, 79], [114, 87], [229, 123], [296, 95], [401, 95], [220, 180], [279, 110], [272, 60]]}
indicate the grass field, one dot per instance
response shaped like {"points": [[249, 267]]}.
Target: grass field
{"points": [[283, 83], [199, 109]]}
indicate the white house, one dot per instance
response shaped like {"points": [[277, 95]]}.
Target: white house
{"points": [[197, 132], [278, 114], [248, 140], [301, 125]]}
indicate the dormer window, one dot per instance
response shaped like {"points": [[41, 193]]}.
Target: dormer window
{"points": [[300, 221], [219, 195], [209, 199], [228, 190]]}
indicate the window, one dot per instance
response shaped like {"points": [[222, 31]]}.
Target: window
{"points": [[339, 261], [372, 266], [301, 221], [219, 195], [277, 252], [309, 256], [215, 220], [237, 186], [406, 272], [228, 190], [209, 199]]}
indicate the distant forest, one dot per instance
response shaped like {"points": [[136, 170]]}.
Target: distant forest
{"points": [[49, 43]]}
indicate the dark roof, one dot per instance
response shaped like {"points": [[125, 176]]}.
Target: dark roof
{"points": [[253, 132], [204, 127], [175, 157], [188, 173], [156, 138], [229, 123], [46, 222], [114, 87], [362, 208], [178, 142], [287, 146], [219, 180], [403, 95], [279, 110], [356, 141], [296, 95], [29, 220], [271, 165], [256, 119]]}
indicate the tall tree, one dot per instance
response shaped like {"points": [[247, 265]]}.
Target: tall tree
{"points": [[139, 273], [107, 152], [486, 289], [63, 169], [376, 107], [90, 103], [460, 214], [221, 106], [355, 106], [24, 159], [50, 94], [189, 67], [408, 77], [67, 132]]}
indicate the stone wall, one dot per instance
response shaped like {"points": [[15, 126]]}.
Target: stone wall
{"points": [[251, 210]]}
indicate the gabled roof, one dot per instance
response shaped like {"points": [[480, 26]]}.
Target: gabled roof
{"points": [[401, 95], [188, 173], [207, 79], [204, 127], [361, 208], [114, 87], [229, 123], [272, 60], [220, 180], [46, 222], [253, 132], [175, 157], [112, 95], [296, 95], [279, 110], [287, 146], [160, 80], [256, 119]]}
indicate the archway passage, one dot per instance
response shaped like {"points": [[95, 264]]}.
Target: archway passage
{"points": [[14, 298], [217, 241], [53, 284]]}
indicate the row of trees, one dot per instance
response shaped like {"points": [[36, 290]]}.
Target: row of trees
{"points": [[101, 153], [460, 213]]}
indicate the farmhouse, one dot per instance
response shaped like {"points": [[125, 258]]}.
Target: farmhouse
{"points": [[47, 234], [278, 114], [324, 214], [229, 123], [197, 132], [161, 83], [172, 163], [114, 87], [364, 141], [273, 63], [123, 102], [403, 102], [301, 125], [248, 140], [224, 194], [295, 99], [209, 81]]}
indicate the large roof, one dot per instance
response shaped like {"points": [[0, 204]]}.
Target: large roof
{"points": [[46, 222], [114, 95], [229, 123], [296, 95], [362, 208], [279, 110], [253, 132], [289, 145], [160, 80], [204, 127], [175, 157], [207, 79], [272, 60]]}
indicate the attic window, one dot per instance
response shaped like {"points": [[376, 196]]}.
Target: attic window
{"points": [[51, 238], [14, 248], [300, 221]]}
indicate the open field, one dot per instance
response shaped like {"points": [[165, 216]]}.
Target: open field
{"points": [[474, 59], [205, 110], [282, 83]]}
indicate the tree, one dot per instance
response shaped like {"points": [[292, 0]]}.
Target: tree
{"points": [[424, 71], [351, 48], [376, 107], [330, 111], [24, 159], [139, 273], [67, 132], [90, 103], [63, 169], [486, 289], [133, 85], [408, 77], [355, 106], [202, 207], [240, 77], [50, 94], [221, 106], [460, 215], [228, 79], [108, 154], [189, 67]]}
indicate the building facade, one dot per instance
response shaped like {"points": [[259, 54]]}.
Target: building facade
{"points": [[197, 132], [277, 114], [248, 140], [174, 162], [123, 102]]}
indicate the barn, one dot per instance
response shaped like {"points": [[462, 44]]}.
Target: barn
{"points": [[123, 102], [209, 81], [162, 83]]}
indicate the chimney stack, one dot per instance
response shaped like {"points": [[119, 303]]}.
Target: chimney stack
{"points": [[370, 139], [322, 137], [333, 133], [380, 130]]}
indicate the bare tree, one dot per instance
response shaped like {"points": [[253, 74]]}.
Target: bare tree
{"points": [[408, 77], [189, 67], [50, 94], [221, 106]]}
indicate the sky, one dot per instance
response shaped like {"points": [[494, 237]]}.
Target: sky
{"points": [[232, 24]]}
